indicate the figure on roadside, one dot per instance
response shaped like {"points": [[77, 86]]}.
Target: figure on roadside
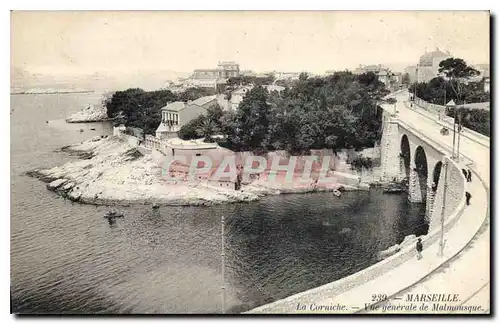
{"points": [[465, 175], [467, 198], [419, 248], [469, 176]]}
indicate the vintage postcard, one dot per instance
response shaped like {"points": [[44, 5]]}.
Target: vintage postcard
{"points": [[250, 162]]}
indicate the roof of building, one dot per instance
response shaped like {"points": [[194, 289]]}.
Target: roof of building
{"points": [[203, 100], [372, 68], [175, 106], [206, 70], [241, 90], [190, 144], [205, 75], [382, 72]]}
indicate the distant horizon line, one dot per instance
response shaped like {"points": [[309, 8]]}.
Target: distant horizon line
{"points": [[82, 71]]}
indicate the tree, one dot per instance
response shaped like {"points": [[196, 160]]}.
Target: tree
{"points": [[195, 93], [249, 129], [138, 108], [204, 125], [191, 130], [457, 71]]}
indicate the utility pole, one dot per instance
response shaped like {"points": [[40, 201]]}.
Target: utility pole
{"points": [[454, 131], [223, 265], [459, 131], [445, 187], [416, 83], [445, 92]]}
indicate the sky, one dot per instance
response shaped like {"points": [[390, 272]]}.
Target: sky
{"points": [[72, 42]]}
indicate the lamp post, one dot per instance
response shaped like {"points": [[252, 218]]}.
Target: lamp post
{"points": [[443, 207], [451, 104], [459, 132], [416, 83]]}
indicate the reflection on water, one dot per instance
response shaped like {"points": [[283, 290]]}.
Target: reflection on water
{"points": [[65, 257]]}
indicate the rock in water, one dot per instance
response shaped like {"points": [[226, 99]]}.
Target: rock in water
{"points": [[90, 114], [387, 253], [56, 184]]}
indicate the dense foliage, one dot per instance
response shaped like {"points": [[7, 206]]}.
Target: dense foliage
{"points": [[338, 111], [246, 80], [361, 162], [142, 109], [440, 91], [476, 119]]}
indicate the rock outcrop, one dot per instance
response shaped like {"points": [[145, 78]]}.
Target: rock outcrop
{"points": [[89, 114], [111, 171]]}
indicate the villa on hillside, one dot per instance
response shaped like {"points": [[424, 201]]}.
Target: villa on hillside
{"points": [[428, 66], [178, 113], [213, 78], [384, 74]]}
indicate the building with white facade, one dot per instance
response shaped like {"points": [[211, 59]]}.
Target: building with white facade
{"points": [[176, 114], [384, 75], [427, 67], [228, 69], [210, 78]]}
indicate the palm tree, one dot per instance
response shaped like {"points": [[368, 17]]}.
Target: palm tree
{"points": [[207, 128]]}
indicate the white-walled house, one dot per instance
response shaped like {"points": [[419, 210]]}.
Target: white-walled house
{"points": [[176, 114]]}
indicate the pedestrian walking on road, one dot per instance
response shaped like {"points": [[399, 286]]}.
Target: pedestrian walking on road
{"points": [[465, 175], [469, 176], [419, 249], [467, 198]]}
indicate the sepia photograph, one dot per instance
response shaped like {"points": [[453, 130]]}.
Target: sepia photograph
{"points": [[250, 162]]}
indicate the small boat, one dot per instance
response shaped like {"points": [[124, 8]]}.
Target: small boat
{"points": [[337, 193], [113, 215], [81, 130], [92, 129]]}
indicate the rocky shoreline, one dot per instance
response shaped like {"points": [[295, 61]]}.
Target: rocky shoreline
{"points": [[109, 171], [90, 114]]}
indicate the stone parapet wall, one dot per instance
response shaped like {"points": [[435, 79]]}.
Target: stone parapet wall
{"points": [[455, 193]]}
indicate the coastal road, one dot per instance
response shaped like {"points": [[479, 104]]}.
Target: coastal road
{"points": [[468, 273]]}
